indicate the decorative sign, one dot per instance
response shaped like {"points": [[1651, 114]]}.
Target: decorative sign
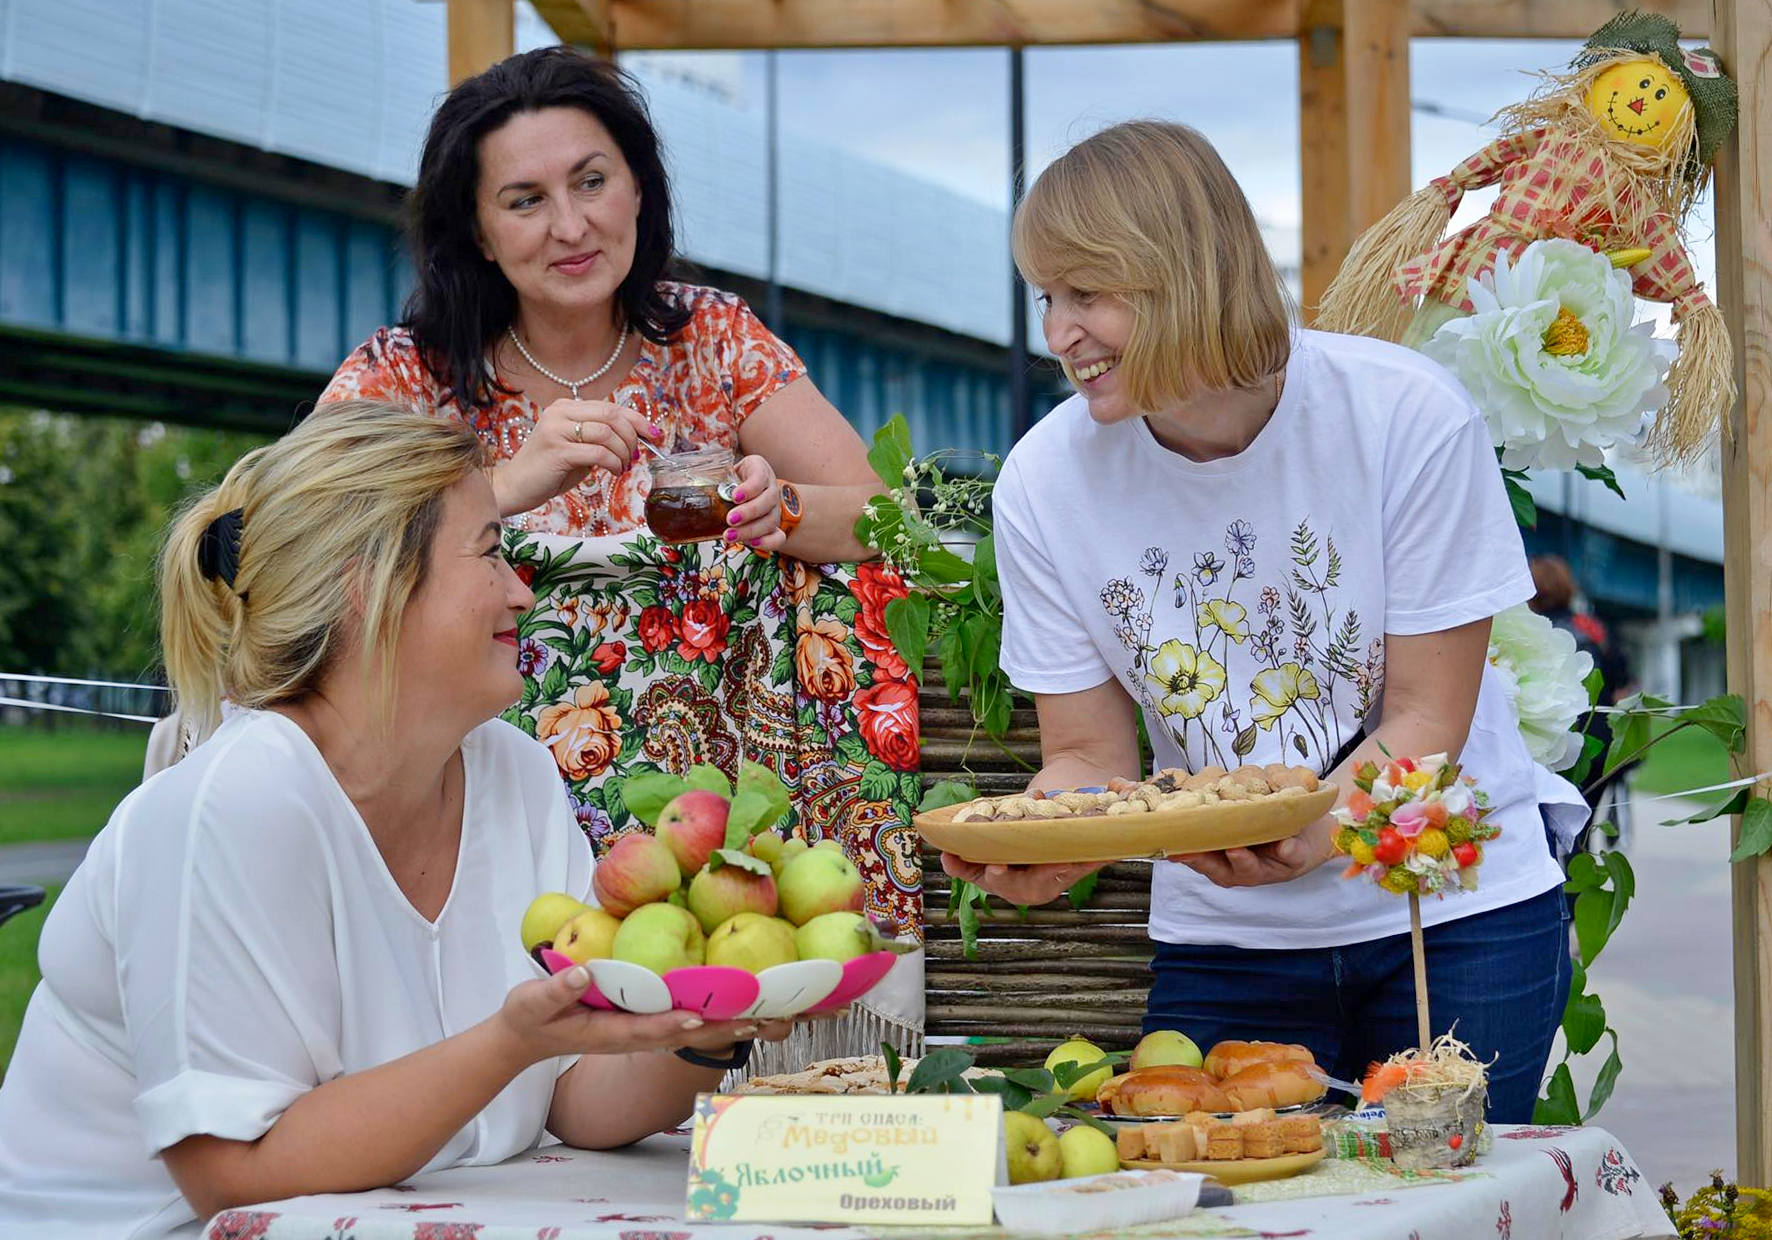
{"points": [[922, 1159]]}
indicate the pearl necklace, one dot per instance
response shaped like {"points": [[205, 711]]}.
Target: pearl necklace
{"points": [[571, 385]]}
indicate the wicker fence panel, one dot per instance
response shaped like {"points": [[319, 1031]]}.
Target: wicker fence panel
{"points": [[1038, 979]]}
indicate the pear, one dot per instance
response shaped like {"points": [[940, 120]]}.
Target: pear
{"points": [[1166, 1046], [1087, 1151], [589, 936], [546, 915], [1034, 1153], [1080, 1051]]}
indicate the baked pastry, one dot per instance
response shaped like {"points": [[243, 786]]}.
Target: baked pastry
{"points": [[1263, 1139], [1273, 1085], [1172, 1089], [1302, 1134], [1174, 1143], [1130, 1144], [1223, 1141], [1229, 1058]]}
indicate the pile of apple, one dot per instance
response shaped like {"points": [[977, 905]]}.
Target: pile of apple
{"points": [[711, 884]]}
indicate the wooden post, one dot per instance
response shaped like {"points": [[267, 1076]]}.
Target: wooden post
{"points": [[1742, 35], [1353, 96], [1326, 230], [481, 33]]}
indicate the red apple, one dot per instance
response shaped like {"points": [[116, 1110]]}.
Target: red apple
{"points": [[692, 825], [638, 869], [716, 896]]}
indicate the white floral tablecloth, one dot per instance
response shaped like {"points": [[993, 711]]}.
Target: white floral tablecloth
{"points": [[1537, 1184]]}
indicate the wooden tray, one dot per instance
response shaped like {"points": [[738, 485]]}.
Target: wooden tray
{"points": [[1123, 837], [1238, 1170]]}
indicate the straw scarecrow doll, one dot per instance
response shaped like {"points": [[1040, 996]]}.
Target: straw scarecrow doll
{"points": [[1611, 154]]}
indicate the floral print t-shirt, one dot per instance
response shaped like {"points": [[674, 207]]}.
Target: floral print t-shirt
{"points": [[1243, 603], [700, 387]]}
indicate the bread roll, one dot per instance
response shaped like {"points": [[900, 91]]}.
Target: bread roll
{"points": [[1230, 1058], [1171, 1089], [1272, 1085]]}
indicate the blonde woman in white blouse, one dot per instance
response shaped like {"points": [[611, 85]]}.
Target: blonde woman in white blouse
{"points": [[291, 963]]}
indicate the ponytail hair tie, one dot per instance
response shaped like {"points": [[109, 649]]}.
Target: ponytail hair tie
{"points": [[218, 551]]}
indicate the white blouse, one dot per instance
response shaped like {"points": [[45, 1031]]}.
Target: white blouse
{"points": [[233, 939]]}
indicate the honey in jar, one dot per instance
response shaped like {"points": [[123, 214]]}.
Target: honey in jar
{"points": [[691, 495]]}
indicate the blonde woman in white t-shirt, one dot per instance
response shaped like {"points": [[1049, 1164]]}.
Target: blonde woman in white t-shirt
{"points": [[291, 963], [1278, 546]]}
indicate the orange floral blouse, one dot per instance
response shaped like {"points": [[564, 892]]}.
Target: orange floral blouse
{"points": [[700, 387]]}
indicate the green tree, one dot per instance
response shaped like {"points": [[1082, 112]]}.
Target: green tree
{"points": [[84, 504]]}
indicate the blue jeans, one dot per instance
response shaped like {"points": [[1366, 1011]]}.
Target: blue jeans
{"points": [[1502, 975]]}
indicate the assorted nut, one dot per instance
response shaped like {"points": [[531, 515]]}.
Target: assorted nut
{"points": [[1166, 790]]}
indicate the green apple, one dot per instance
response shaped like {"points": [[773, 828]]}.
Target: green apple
{"points": [[1166, 1046], [545, 916], [829, 842], [1034, 1153], [752, 942], [1081, 1051], [834, 936], [818, 881], [788, 851], [1087, 1151], [765, 846], [589, 936], [661, 937]]}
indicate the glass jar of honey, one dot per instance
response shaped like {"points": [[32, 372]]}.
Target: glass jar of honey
{"points": [[692, 493]]}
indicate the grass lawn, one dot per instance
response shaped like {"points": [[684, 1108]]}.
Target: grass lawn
{"points": [[54, 785], [1690, 758], [63, 784], [18, 970]]}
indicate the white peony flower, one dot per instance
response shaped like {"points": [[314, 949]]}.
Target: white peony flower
{"points": [[1551, 358], [1544, 674]]}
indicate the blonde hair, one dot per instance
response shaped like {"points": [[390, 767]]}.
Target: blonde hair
{"points": [[1148, 212], [336, 521]]}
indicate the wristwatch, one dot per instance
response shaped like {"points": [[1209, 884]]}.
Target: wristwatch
{"points": [[791, 511], [741, 1055]]}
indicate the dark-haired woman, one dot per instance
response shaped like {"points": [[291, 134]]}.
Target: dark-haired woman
{"points": [[544, 320]]}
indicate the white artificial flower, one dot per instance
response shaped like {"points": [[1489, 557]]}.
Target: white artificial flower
{"points": [[1457, 799], [1551, 358], [1544, 674]]}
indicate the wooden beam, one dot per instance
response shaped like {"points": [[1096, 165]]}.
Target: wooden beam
{"points": [[1544, 19], [690, 24], [481, 33], [706, 24], [1743, 37], [587, 23], [1353, 130]]}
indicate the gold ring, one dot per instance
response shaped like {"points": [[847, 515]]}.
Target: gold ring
{"points": [[578, 432]]}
